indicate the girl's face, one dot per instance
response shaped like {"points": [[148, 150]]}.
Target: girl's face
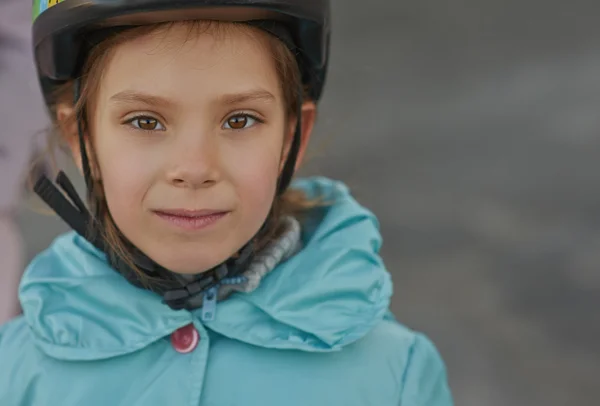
{"points": [[189, 137]]}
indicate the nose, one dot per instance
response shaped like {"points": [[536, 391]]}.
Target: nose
{"points": [[195, 164]]}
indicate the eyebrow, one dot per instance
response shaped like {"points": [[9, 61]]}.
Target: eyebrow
{"points": [[131, 96], [251, 95]]}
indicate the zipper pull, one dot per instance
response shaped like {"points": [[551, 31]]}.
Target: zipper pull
{"points": [[209, 304]]}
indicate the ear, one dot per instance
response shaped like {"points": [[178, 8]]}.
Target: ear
{"points": [[307, 120], [67, 124]]}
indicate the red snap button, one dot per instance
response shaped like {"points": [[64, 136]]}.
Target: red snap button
{"points": [[185, 339]]}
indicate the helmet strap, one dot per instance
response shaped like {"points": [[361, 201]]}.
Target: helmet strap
{"points": [[290, 164], [80, 117]]}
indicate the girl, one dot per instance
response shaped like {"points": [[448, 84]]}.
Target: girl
{"points": [[197, 276]]}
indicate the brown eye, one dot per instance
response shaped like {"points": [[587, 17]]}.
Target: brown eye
{"points": [[240, 122], [147, 124], [237, 122]]}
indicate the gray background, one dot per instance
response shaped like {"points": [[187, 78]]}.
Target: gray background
{"points": [[471, 129]]}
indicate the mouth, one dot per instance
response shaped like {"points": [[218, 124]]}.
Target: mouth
{"points": [[191, 220]]}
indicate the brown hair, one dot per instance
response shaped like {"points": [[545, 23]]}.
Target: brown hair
{"points": [[292, 202]]}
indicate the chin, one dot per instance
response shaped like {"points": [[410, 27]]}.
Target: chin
{"points": [[190, 264]]}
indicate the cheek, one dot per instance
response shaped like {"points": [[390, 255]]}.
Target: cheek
{"points": [[257, 183], [255, 174], [125, 171]]}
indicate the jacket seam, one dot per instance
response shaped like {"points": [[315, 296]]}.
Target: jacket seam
{"points": [[411, 352]]}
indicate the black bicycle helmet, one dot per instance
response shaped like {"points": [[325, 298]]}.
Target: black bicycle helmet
{"points": [[61, 26], [62, 33]]}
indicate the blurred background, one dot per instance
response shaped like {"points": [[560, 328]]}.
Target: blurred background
{"points": [[471, 128]]}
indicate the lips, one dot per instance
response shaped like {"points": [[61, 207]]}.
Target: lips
{"points": [[190, 219], [189, 213]]}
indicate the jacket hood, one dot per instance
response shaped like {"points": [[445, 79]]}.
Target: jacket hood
{"points": [[328, 295]]}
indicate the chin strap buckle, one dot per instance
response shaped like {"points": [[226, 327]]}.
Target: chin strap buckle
{"points": [[178, 299]]}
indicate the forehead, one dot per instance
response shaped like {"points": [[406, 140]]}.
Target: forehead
{"points": [[193, 61]]}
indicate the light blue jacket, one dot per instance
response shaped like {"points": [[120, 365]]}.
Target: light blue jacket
{"points": [[316, 332]]}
